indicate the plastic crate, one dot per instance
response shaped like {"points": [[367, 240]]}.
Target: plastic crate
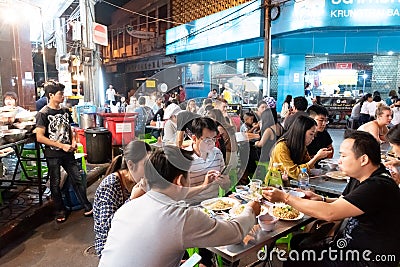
{"points": [[122, 129]]}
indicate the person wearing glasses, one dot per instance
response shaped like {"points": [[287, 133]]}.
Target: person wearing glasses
{"points": [[206, 157], [322, 138]]}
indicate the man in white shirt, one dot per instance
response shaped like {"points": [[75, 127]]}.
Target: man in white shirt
{"points": [[156, 228], [110, 95]]}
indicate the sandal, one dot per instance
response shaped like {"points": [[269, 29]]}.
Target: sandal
{"points": [[61, 217], [88, 213]]}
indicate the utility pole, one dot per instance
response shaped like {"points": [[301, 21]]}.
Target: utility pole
{"points": [[91, 72], [267, 46]]}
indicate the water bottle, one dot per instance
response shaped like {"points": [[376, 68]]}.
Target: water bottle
{"points": [[303, 179], [158, 124]]}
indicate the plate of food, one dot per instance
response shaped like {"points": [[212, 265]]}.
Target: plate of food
{"points": [[285, 212], [338, 175], [219, 203], [237, 210]]}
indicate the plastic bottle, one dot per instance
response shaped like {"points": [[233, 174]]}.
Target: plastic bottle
{"points": [[274, 176], [303, 179], [158, 124]]}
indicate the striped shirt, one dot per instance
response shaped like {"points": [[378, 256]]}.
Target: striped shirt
{"points": [[199, 169]]}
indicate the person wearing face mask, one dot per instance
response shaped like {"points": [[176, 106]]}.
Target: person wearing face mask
{"points": [[124, 179], [206, 157], [292, 152]]}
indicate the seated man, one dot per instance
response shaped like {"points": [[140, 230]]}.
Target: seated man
{"points": [[206, 157], [158, 234], [373, 222], [322, 138]]}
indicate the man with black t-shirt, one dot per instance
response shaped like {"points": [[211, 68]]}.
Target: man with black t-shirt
{"points": [[54, 131], [370, 202], [322, 139]]}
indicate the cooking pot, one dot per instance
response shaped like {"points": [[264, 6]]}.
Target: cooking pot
{"points": [[87, 120]]}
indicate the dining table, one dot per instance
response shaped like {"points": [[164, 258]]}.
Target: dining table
{"points": [[258, 239], [324, 184]]}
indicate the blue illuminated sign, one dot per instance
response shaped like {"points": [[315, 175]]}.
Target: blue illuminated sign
{"points": [[307, 14], [234, 24]]}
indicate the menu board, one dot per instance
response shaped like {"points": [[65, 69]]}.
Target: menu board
{"points": [[339, 108]]}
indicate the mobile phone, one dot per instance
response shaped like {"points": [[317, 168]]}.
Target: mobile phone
{"points": [[192, 261]]}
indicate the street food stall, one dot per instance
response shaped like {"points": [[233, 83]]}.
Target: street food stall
{"points": [[339, 85]]}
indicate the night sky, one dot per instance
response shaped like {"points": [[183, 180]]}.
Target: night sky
{"points": [[103, 10]]}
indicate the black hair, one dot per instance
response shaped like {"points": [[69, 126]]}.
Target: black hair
{"points": [[142, 100], [207, 101], [52, 87], [135, 151], [364, 98], [288, 99], [300, 103], [393, 136], [268, 118], [164, 165], [198, 124], [315, 110], [261, 103], [296, 135], [11, 94], [365, 144]]}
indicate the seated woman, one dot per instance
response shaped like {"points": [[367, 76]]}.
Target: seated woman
{"points": [[271, 130], [124, 180], [378, 127], [291, 148], [227, 142], [191, 106], [10, 99]]}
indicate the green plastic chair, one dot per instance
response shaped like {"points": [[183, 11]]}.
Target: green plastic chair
{"points": [[191, 251]]}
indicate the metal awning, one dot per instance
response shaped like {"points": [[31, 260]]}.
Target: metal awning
{"points": [[341, 65]]}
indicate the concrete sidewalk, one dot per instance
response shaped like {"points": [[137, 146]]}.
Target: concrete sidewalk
{"points": [[21, 220]]}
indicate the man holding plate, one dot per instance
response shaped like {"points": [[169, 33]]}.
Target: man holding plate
{"points": [[370, 202]]}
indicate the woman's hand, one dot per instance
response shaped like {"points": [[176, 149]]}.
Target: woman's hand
{"points": [[393, 162], [139, 189], [323, 153], [395, 173], [273, 195]]}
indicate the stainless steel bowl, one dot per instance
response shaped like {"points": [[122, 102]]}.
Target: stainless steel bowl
{"points": [[13, 135]]}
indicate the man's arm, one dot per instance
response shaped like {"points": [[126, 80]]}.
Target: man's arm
{"points": [[41, 138], [336, 210]]}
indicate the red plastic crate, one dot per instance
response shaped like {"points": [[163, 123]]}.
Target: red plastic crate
{"points": [[122, 129]]}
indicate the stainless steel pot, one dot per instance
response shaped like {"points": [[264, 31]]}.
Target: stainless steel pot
{"points": [[87, 120]]}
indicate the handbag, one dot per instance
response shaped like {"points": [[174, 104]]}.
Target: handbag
{"points": [[320, 236]]}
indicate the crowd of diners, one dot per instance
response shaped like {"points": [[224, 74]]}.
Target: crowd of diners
{"points": [[146, 210]]}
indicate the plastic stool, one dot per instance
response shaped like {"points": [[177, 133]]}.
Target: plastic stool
{"points": [[80, 149], [285, 240]]}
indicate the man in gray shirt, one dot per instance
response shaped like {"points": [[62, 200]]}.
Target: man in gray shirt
{"points": [[156, 228]]}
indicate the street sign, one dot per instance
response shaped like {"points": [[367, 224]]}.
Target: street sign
{"points": [[100, 34]]}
